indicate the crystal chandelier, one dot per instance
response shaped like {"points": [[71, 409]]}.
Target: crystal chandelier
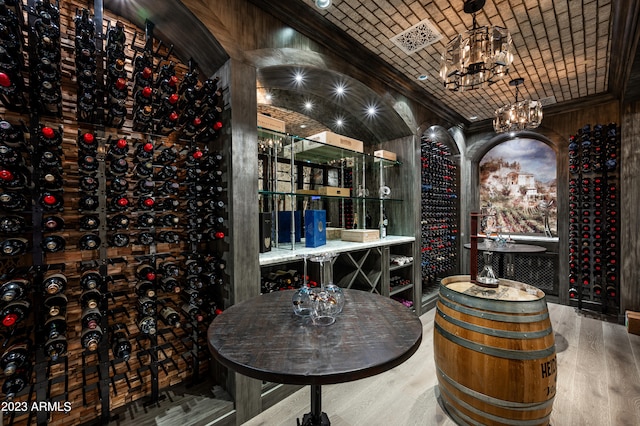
{"points": [[519, 115], [481, 56]]}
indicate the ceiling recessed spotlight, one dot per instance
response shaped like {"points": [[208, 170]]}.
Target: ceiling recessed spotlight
{"points": [[339, 122], [268, 96], [340, 89], [423, 77], [371, 110], [303, 126], [298, 78], [308, 105], [323, 4], [473, 117]]}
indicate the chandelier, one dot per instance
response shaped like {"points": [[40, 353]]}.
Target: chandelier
{"points": [[519, 115], [480, 57]]}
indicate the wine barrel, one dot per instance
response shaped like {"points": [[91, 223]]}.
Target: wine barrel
{"points": [[494, 353]]}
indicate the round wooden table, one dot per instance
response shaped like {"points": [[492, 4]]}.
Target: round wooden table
{"points": [[262, 338]]}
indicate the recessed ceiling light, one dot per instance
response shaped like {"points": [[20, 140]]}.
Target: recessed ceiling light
{"points": [[323, 4], [298, 78], [339, 122], [371, 110], [308, 105], [303, 126], [473, 117], [268, 96], [340, 89], [423, 77]]}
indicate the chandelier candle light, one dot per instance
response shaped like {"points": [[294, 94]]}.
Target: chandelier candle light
{"points": [[480, 57], [520, 115]]}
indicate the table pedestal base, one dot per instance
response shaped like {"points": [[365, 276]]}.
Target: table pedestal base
{"points": [[316, 417]]}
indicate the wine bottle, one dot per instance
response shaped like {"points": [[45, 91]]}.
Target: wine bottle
{"points": [[56, 305], [89, 223], [51, 180], [90, 299], [146, 220], [11, 135], [55, 326], [170, 220], [146, 238], [147, 325], [13, 202], [15, 383], [214, 234], [169, 284], [91, 279], [52, 223], [119, 221], [12, 224], [192, 297], [144, 169], [145, 288], [54, 283], [118, 167], [55, 348], [194, 282], [90, 338], [144, 151], [119, 239], [12, 179], [119, 203], [89, 242], [168, 237], [192, 312], [14, 312], [14, 246], [87, 142], [118, 184], [49, 137], [50, 160], [13, 289], [146, 203], [15, 357], [168, 172], [168, 204], [120, 345], [143, 79], [170, 317], [89, 183], [9, 156], [53, 244], [88, 202], [143, 97], [146, 306], [87, 163], [143, 119], [168, 154], [167, 124], [118, 148], [91, 318], [52, 201], [116, 116]]}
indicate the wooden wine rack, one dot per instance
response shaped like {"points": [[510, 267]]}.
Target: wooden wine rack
{"points": [[95, 383]]}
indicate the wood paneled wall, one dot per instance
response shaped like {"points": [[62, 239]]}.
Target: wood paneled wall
{"points": [[629, 206]]}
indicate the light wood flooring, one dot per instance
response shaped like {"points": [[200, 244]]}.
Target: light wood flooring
{"points": [[598, 384]]}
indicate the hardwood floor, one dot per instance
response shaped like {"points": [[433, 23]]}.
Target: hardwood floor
{"points": [[598, 384]]}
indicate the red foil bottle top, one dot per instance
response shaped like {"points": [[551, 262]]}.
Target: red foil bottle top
{"points": [[147, 92], [9, 320], [173, 81], [88, 138], [122, 143], [173, 116], [5, 81], [217, 125], [197, 154], [49, 199], [123, 202], [121, 83], [48, 132], [173, 98], [146, 72], [151, 276], [149, 202], [6, 175], [147, 147]]}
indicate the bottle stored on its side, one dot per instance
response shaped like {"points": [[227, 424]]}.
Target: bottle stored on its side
{"points": [[56, 347], [147, 325], [170, 317], [54, 283], [192, 312], [56, 305], [13, 289], [15, 357], [90, 299], [15, 383], [146, 288], [118, 239], [55, 326], [170, 285], [90, 338], [120, 344], [89, 242], [12, 224], [53, 243], [91, 279], [118, 221], [146, 306]]}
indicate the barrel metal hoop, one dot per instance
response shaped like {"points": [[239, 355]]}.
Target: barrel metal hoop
{"points": [[514, 306], [493, 351], [502, 420], [520, 335], [495, 317]]}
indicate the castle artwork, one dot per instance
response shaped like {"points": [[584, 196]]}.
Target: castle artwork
{"points": [[518, 189]]}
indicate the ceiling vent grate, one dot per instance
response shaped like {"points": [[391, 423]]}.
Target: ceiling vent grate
{"points": [[417, 37]]}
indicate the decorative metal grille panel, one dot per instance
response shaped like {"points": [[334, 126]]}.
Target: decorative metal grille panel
{"points": [[417, 37]]}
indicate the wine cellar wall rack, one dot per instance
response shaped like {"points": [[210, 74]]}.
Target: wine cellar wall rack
{"points": [[112, 213], [594, 253], [439, 219]]}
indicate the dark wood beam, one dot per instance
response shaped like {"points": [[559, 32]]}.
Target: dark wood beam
{"points": [[624, 42]]}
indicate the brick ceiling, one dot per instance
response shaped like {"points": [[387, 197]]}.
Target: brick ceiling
{"points": [[562, 47]]}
